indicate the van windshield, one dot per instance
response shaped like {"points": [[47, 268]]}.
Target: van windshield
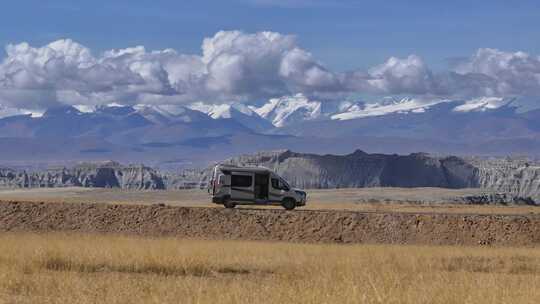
{"points": [[280, 183], [284, 183]]}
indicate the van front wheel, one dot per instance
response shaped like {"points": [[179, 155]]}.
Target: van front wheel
{"points": [[289, 204]]}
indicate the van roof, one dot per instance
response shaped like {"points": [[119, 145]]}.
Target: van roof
{"points": [[243, 168]]}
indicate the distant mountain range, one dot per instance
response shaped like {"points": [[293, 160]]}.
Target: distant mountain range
{"points": [[195, 134]]}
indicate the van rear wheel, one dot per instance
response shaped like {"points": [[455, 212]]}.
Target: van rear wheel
{"points": [[228, 204], [289, 204]]}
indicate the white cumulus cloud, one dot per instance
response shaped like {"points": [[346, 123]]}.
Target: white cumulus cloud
{"points": [[409, 75], [505, 73], [235, 66]]}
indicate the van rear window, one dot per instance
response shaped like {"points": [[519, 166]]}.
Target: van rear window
{"points": [[241, 181]]}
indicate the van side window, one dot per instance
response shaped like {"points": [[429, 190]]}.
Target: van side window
{"points": [[221, 179], [241, 181]]}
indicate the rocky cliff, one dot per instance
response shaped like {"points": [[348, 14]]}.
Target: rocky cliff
{"points": [[516, 176], [510, 181], [100, 175], [361, 169]]}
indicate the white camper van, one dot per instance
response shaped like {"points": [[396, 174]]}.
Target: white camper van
{"points": [[231, 186]]}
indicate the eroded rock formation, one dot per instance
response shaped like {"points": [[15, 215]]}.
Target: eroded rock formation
{"points": [[101, 175]]}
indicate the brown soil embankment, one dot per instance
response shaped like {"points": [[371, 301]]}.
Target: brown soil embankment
{"points": [[273, 224]]}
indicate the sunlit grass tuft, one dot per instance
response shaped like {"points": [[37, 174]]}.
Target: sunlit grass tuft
{"points": [[511, 265], [65, 264]]}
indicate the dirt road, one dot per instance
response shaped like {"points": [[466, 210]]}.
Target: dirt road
{"points": [[273, 224], [417, 200]]}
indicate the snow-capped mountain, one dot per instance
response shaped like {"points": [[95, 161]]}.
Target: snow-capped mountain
{"points": [[392, 105], [463, 122], [166, 114], [238, 112], [484, 104], [7, 112], [487, 126], [289, 110], [386, 106]]}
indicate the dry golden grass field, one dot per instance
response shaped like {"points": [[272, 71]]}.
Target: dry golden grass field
{"points": [[71, 268]]}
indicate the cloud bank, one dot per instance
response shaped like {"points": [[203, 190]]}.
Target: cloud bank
{"points": [[237, 67]]}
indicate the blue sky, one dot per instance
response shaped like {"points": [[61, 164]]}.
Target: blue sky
{"points": [[342, 34], [80, 52]]}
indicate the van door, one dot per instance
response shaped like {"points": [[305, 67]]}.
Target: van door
{"points": [[242, 186], [222, 185], [276, 191], [261, 187]]}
